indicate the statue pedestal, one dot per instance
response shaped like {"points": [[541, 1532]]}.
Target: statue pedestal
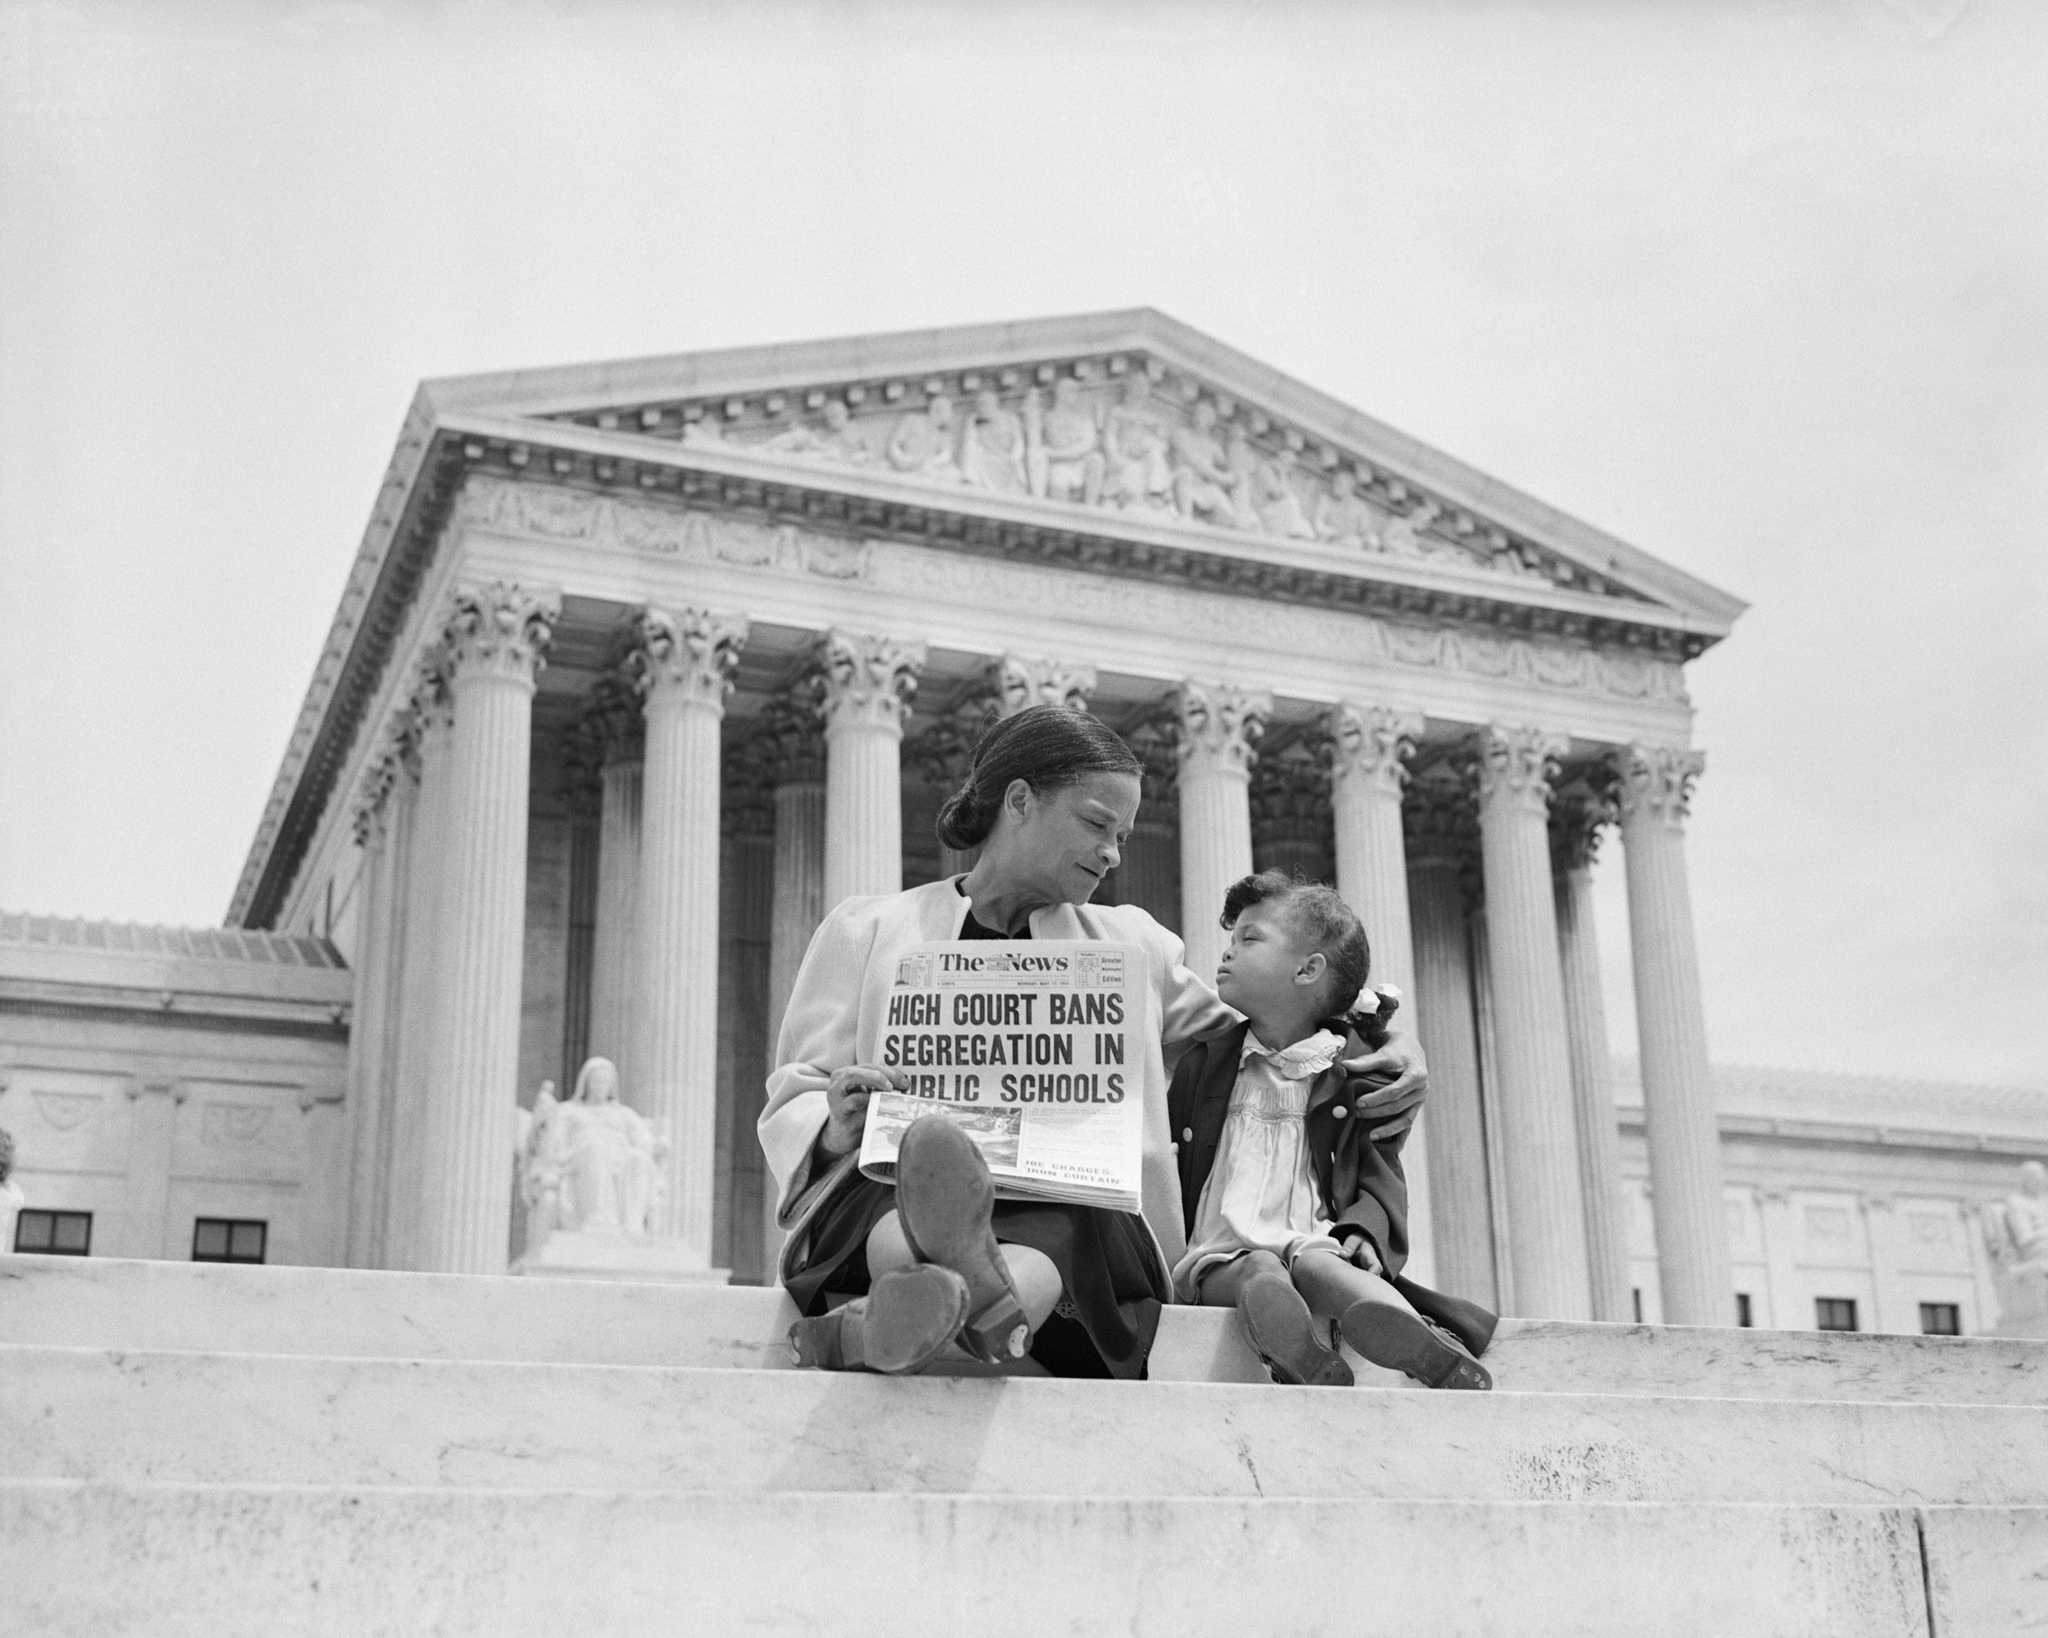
{"points": [[593, 1254], [2022, 1302]]}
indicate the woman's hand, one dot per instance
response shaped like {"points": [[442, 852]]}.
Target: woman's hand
{"points": [[846, 1095], [1398, 1083]]}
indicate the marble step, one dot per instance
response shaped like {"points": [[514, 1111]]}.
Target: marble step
{"points": [[107, 1302], [127, 1417], [220, 1561]]}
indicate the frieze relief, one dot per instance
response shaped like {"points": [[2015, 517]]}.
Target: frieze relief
{"points": [[1122, 434], [708, 539], [550, 513]]}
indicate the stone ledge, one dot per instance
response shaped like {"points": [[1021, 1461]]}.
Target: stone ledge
{"points": [[113, 1302], [169, 1560], [124, 1416]]}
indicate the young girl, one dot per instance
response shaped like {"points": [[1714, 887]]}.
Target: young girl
{"points": [[1295, 1215]]}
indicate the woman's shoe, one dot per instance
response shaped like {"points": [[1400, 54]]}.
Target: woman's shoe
{"points": [[1403, 1341], [944, 1198], [899, 1327]]}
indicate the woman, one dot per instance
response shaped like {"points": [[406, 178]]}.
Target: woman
{"points": [[1050, 800]]}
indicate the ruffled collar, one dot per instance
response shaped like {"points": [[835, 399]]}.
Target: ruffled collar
{"points": [[1311, 1055]]}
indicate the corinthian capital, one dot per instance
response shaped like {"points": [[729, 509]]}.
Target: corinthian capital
{"points": [[1219, 725], [1021, 682], [372, 814], [1653, 783], [1290, 793], [500, 630], [1372, 743], [1580, 808], [1440, 826], [868, 680], [1515, 766], [687, 654]]}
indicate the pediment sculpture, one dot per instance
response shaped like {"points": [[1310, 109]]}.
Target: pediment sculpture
{"points": [[2016, 1235], [1168, 449]]}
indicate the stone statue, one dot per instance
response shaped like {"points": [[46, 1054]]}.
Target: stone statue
{"points": [[992, 447], [1344, 517], [923, 442], [1062, 445], [1279, 507], [1138, 476], [592, 1163], [1204, 486], [837, 441], [2016, 1235], [1404, 535], [11, 1197]]}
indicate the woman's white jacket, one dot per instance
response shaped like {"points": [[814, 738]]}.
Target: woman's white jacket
{"points": [[837, 1005]]}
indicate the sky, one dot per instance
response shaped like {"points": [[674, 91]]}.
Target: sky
{"points": [[1761, 288]]}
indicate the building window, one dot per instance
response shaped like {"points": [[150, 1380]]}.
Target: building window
{"points": [[229, 1240], [1635, 1296], [1744, 1316], [54, 1233], [1834, 1313], [1941, 1319]]}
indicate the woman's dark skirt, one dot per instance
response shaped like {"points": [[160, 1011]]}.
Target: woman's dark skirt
{"points": [[1109, 1312]]}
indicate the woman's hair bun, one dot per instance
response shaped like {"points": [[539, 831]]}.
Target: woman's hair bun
{"points": [[1046, 746]]}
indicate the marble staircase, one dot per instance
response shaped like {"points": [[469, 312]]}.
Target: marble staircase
{"points": [[205, 1449]]}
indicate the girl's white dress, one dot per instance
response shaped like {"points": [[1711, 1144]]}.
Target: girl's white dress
{"points": [[1261, 1194]]}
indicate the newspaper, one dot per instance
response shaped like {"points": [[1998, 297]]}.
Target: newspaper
{"points": [[1032, 1047]]}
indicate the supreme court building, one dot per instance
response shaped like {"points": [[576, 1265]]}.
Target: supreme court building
{"points": [[644, 665]]}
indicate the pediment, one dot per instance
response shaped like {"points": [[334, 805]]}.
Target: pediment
{"points": [[1117, 421]]}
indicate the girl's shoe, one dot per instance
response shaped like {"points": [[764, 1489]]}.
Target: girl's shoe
{"points": [[1291, 1340], [944, 1199], [900, 1326], [1403, 1341]]}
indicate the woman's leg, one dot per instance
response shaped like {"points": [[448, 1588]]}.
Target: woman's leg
{"points": [[1292, 1341], [1382, 1325], [1032, 1274]]}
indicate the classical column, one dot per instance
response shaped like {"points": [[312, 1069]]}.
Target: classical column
{"points": [[1577, 816], [1368, 750], [796, 772], [1539, 1134], [868, 683], [375, 962], [1290, 808], [1440, 833], [684, 667], [429, 728], [1219, 724], [614, 720], [1889, 1311], [1788, 1307], [1149, 876], [496, 641], [1654, 789], [746, 894]]}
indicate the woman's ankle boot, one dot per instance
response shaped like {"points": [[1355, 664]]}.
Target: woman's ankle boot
{"points": [[899, 1327], [944, 1198]]}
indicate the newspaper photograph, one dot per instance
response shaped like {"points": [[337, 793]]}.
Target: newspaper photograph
{"points": [[1031, 1046]]}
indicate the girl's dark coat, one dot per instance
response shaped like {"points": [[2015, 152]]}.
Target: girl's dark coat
{"points": [[1362, 1183]]}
